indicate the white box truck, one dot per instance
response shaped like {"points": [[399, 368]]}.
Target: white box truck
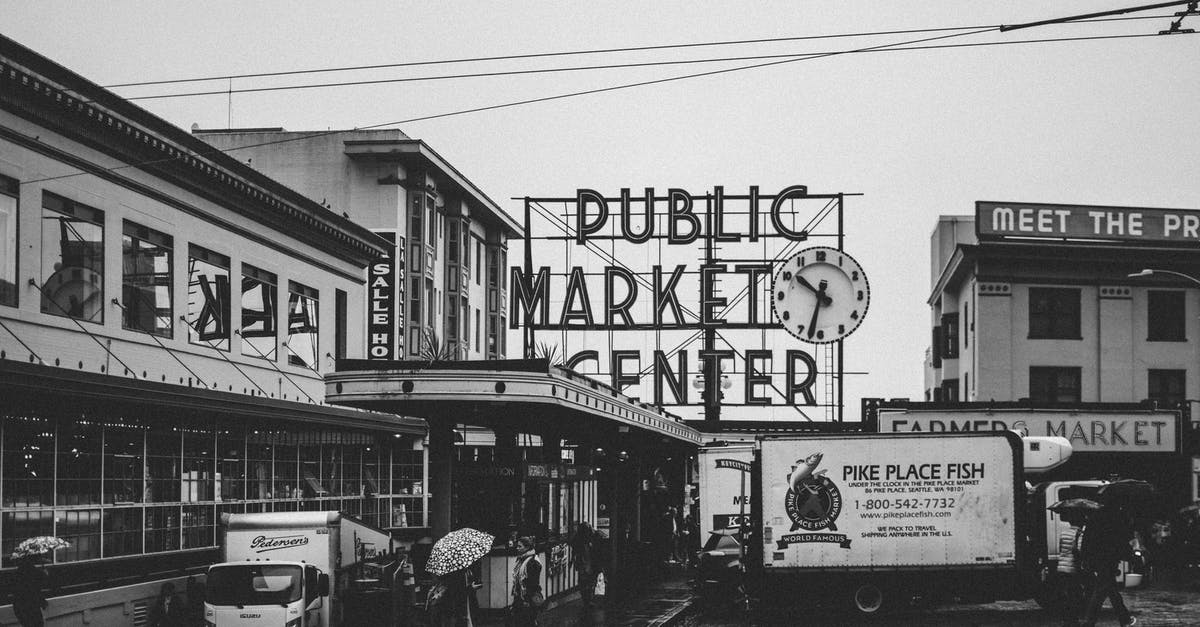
{"points": [[287, 569], [880, 518]]}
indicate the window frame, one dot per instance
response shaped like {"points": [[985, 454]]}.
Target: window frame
{"points": [[138, 233], [11, 188], [1061, 319], [1040, 373], [63, 206], [1176, 331], [222, 262], [1161, 397]]}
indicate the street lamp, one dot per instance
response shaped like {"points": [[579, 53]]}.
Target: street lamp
{"points": [[1150, 271]]}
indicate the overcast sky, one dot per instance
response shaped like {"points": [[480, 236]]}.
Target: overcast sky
{"points": [[918, 133]]}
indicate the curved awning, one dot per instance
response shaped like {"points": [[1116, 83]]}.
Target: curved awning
{"points": [[520, 394]]}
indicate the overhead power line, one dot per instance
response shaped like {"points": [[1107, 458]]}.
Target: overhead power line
{"points": [[613, 66], [537, 55], [903, 45]]}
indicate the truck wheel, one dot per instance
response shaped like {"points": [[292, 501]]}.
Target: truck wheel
{"points": [[868, 598]]}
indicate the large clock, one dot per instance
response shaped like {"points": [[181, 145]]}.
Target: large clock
{"points": [[820, 295]]}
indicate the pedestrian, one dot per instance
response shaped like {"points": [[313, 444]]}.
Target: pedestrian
{"points": [[527, 597], [168, 610], [1104, 543], [450, 600], [1072, 581], [28, 599], [583, 558]]}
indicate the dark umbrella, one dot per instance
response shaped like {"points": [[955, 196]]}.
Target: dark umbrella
{"points": [[457, 550], [1075, 505], [1126, 493]]}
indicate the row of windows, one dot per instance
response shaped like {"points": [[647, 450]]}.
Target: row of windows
{"points": [[111, 477], [72, 241], [1054, 314], [1063, 384]]}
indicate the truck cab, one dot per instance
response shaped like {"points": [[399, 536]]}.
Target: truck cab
{"points": [[267, 594]]}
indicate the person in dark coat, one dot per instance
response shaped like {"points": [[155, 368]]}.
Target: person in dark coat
{"points": [[168, 610], [583, 558], [28, 598], [451, 599], [1105, 542], [527, 597]]}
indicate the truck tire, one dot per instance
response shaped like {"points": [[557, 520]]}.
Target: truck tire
{"points": [[868, 597]]}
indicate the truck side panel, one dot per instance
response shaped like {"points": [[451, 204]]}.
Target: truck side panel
{"points": [[312, 546], [879, 501]]}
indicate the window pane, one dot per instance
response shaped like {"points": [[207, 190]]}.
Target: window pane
{"points": [[8, 240], [80, 527], [124, 462], [162, 464], [259, 313], [17, 526], [1166, 316], [79, 453], [146, 280], [198, 528], [302, 328], [231, 464], [198, 465], [208, 299], [122, 531], [28, 463], [162, 528], [72, 259], [1054, 313]]}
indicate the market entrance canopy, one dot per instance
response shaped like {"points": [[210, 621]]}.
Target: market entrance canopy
{"points": [[523, 393]]}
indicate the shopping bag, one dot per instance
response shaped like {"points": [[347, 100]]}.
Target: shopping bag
{"points": [[600, 588]]}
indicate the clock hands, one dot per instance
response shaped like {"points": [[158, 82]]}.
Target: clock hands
{"points": [[821, 296], [822, 299]]}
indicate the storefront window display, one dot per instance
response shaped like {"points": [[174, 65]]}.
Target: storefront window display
{"points": [[130, 483]]}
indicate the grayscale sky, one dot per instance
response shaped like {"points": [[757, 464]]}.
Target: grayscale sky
{"points": [[918, 133]]}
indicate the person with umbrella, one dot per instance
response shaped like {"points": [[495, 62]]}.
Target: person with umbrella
{"points": [[28, 598], [1072, 585], [451, 597], [1105, 543]]}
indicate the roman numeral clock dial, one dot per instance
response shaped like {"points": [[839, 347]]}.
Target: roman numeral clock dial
{"points": [[820, 295]]}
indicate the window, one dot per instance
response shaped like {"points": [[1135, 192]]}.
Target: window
{"points": [[968, 327], [72, 259], [1053, 313], [1166, 319], [259, 312], [950, 390], [341, 320], [477, 330], [9, 193], [1167, 386], [302, 340], [478, 262], [936, 343], [147, 280], [208, 298], [28, 465], [950, 335], [1054, 384]]}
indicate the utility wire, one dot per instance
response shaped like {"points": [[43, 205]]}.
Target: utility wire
{"points": [[314, 135], [508, 105], [539, 55], [613, 66]]}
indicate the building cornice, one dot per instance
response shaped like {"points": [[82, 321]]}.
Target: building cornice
{"points": [[414, 152], [56, 98]]}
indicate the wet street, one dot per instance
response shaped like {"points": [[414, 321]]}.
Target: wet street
{"points": [[1153, 606]]}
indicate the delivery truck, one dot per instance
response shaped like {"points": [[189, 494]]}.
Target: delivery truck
{"points": [[878, 519], [288, 569]]}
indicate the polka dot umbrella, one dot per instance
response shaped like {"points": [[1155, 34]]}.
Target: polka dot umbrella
{"points": [[457, 550], [39, 545]]}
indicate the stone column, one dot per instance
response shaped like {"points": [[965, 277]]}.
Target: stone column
{"points": [[441, 474]]}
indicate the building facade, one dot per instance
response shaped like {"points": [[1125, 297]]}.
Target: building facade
{"points": [[442, 291], [144, 390], [1049, 305]]}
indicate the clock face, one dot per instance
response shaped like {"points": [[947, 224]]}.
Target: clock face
{"points": [[820, 295]]}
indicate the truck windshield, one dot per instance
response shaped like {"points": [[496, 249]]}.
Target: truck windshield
{"points": [[253, 584]]}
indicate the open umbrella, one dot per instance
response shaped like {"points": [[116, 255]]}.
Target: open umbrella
{"points": [[1075, 505], [1126, 493], [457, 550], [39, 545]]}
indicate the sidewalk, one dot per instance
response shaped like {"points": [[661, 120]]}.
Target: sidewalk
{"points": [[661, 602]]}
